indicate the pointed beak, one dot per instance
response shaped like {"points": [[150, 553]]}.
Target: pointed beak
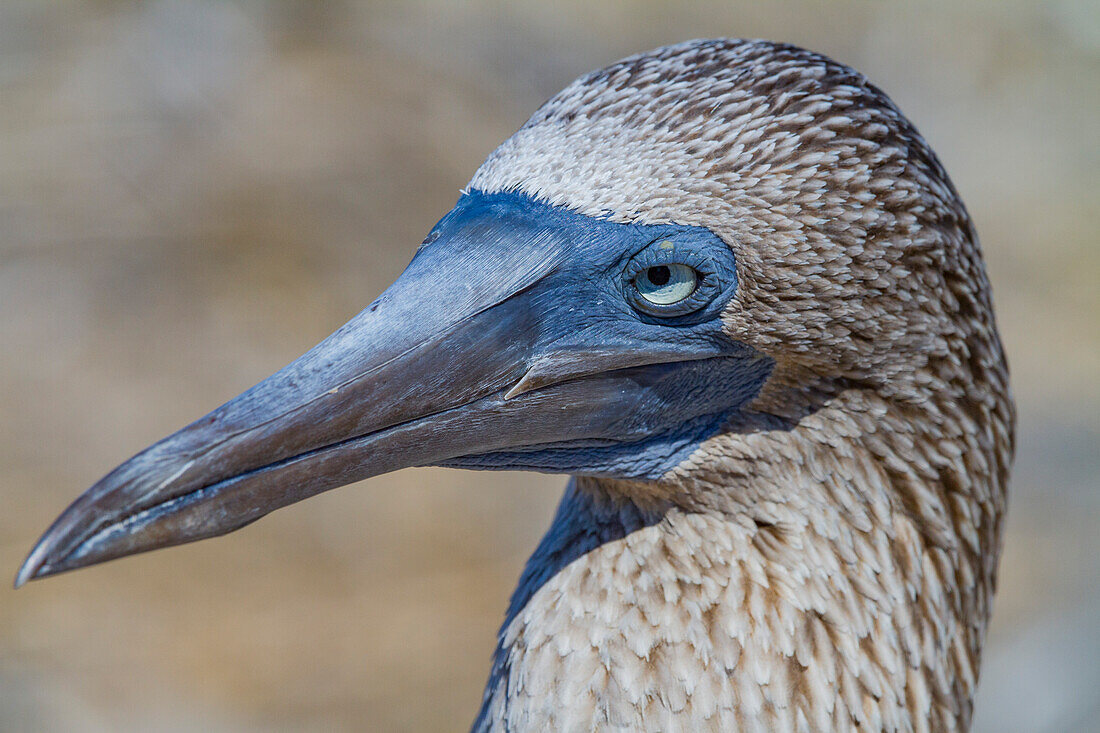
{"points": [[467, 354]]}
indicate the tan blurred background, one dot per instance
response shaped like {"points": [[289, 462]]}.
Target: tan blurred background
{"points": [[193, 193]]}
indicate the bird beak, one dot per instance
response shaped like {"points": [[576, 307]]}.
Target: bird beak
{"points": [[471, 352]]}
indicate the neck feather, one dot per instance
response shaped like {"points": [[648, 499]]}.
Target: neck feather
{"points": [[835, 572]]}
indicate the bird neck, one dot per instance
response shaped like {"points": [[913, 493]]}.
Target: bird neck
{"points": [[838, 570]]}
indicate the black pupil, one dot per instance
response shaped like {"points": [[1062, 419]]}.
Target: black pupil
{"points": [[659, 275]]}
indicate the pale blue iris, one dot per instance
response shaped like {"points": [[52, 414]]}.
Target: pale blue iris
{"points": [[666, 284]]}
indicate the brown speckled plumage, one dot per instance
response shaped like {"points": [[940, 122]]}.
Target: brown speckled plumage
{"points": [[828, 563]]}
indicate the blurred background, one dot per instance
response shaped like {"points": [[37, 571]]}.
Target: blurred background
{"points": [[194, 192]]}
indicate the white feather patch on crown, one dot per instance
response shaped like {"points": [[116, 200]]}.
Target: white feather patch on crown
{"points": [[673, 134]]}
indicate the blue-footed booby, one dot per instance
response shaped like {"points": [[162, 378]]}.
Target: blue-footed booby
{"points": [[730, 290]]}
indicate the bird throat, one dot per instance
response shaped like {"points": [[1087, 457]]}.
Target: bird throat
{"points": [[815, 587]]}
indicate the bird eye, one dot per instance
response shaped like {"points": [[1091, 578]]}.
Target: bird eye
{"points": [[666, 284], [675, 276]]}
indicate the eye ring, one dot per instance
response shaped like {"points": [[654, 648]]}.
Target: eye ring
{"points": [[670, 278]]}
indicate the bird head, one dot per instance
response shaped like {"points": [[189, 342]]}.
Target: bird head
{"points": [[709, 239]]}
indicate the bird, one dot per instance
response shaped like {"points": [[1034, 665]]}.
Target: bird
{"points": [[729, 289]]}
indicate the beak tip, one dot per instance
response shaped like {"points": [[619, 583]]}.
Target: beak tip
{"points": [[28, 571], [36, 565]]}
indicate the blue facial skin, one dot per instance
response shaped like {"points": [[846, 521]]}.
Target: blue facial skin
{"points": [[726, 386], [588, 302]]}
